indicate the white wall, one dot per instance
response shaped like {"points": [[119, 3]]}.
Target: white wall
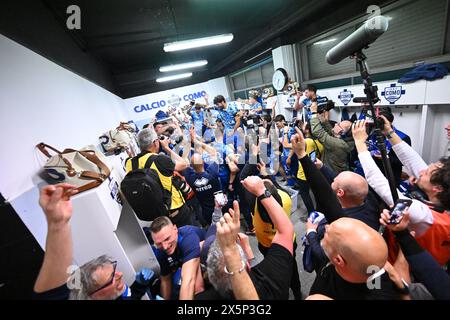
{"points": [[43, 102], [436, 135], [158, 100]]}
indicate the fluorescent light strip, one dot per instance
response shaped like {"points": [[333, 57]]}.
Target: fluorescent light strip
{"points": [[325, 41], [182, 66], [196, 43], [175, 77]]}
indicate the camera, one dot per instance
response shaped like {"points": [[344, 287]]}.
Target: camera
{"points": [[294, 124], [323, 104], [292, 88], [252, 120], [399, 209]]}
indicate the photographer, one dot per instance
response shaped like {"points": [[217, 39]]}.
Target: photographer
{"points": [[165, 167], [337, 141], [425, 269], [376, 155], [431, 185]]}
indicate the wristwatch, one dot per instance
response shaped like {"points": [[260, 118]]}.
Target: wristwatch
{"points": [[389, 134], [265, 195]]}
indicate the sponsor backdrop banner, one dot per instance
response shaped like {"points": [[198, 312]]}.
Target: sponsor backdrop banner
{"points": [[143, 108], [392, 93]]}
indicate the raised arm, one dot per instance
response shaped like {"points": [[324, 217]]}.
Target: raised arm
{"points": [[424, 267], [281, 222], [405, 153], [188, 275], [227, 234], [55, 201], [318, 183], [180, 163], [375, 178]]}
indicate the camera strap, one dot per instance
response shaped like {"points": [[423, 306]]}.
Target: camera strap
{"points": [[317, 148]]}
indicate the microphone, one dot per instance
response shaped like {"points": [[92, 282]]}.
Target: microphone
{"points": [[361, 38]]}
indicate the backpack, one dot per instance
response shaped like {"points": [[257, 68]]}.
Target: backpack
{"points": [[144, 192]]}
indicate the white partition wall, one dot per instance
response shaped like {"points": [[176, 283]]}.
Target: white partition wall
{"points": [[43, 102]]}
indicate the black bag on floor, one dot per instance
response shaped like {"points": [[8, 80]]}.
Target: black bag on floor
{"points": [[144, 192]]}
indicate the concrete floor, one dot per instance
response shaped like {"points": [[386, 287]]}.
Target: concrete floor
{"points": [[306, 278]]}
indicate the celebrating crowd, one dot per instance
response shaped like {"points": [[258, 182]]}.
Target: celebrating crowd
{"points": [[237, 162]]}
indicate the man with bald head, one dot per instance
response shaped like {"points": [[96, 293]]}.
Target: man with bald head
{"points": [[352, 192], [336, 140], [357, 255], [204, 179], [352, 197]]}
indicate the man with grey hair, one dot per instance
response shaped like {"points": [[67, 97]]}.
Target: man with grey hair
{"points": [[165, 166], [96, 280], [226, 263]]}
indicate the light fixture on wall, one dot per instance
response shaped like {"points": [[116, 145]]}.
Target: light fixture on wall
{"points": [[199, 42], [181, 66], [325, 41], [175, 77]]}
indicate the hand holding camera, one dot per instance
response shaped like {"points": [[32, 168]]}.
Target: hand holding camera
{"points": [[398, 218]]}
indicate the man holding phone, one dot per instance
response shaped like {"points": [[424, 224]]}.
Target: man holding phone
{"points": [[428, 217]]}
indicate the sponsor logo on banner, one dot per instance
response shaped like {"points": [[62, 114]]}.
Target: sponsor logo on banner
{"points": [[345, 96], [291, 101], [172, 99], [393, 93]]}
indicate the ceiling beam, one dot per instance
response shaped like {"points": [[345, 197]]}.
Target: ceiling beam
{"points": [[275, 31]]}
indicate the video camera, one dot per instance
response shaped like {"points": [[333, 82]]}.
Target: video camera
{"points": [[292, 88], [267, 92], [251, 120], [323, 104]]}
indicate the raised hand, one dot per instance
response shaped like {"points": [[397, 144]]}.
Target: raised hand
{"points": [[228, 227], [298, 144], [385, 217], [359, 131], [55, 201], [254, 184]]}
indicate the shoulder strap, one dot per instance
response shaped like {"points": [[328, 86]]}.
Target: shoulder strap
{"points": [[317, 147], [150, 161], [42, 147], [135, 163]]}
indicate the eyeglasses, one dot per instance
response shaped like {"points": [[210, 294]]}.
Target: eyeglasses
{"points": [[114, 264]]}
